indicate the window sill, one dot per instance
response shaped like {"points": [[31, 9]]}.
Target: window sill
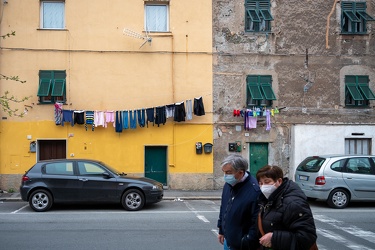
{"points": [[353, 35], [52, 29]]}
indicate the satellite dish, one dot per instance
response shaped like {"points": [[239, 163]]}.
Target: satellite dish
{"points": [[131, 33]]}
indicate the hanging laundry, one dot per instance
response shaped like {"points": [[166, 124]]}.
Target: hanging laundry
{"points": [[58, 113], [179, 112], [169, 109], [276, 110], [118, 123], [99, 118], [125, 119], [141, 117], [268, 120], [79, 117], [67, 117], [133, 119], [160, 115], [189, 110], [109, 117], [150, 115], [90, 120], [250, 120], [198, 106]]}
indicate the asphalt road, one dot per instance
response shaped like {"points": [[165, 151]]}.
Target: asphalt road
{"points": [[170, 224]]}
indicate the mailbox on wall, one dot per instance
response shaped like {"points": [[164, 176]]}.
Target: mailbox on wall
{"points": [[198, 148], [208, 148], [33, 147]]}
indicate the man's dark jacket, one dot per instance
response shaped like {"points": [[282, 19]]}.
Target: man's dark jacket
{"points": [[238, 214], [288, 215]]}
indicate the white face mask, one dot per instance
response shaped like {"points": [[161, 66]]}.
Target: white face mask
{"points": [[267, 190]]}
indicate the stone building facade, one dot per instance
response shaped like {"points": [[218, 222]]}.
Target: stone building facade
{"points": [[320, 57]]}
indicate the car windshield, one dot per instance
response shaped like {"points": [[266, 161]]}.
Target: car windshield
{"points": [[311, 164], [113, 170]]}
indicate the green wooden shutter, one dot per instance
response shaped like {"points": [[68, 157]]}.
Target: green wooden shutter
{"points": [[365, 16], [253, 15], [58, 87], [266, 14], [351, 15], [354, 92], [364, 87], [254, 89], [265, 84], [44, 87]]}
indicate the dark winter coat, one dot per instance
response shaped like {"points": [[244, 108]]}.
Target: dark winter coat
{"points": [[238, 214], [288, 215]]}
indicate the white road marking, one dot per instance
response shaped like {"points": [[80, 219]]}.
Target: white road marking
{"points": [[16, 211], [192, 209], [202, 218], [338, 238], [356, 231]]}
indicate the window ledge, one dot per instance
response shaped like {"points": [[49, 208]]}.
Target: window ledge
{"points": [[354, 35], [52, 29]]}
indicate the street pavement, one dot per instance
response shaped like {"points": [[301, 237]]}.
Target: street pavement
{"points": [[168, 195]]}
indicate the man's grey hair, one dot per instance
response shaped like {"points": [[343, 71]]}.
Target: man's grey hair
{"points": [[237, 162]]}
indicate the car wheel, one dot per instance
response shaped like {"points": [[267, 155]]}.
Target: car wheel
{"points": [[40, 200], [133, 200], [338, 198]]}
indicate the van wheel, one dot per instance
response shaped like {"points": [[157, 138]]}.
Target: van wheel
{"points": [[338, 198]]}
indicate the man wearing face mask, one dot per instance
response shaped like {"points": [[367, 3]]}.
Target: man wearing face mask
{"points": [[239, 206], [285, 215]]}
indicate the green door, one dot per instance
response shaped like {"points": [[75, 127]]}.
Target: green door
{"points": [[258, 156], [156, 163]]}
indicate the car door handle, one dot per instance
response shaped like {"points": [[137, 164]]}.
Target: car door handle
{"points": [[83, 179]]}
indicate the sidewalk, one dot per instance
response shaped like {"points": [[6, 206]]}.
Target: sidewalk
{"points": [[168, 195]]}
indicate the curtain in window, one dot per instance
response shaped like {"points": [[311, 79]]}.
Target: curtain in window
{"points": [[156, 18], [53, 15]]}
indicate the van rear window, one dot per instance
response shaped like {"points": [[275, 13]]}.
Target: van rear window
{"points": [[311, 164]]}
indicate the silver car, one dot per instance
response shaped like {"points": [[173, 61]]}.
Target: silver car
{"points": [[337, 179]]}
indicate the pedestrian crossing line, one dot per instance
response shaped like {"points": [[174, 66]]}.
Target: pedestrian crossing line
{"points": [[339, 239], [192, 209], [353, 230]]}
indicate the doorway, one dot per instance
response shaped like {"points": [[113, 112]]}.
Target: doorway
{"points": [[156, 163], [258, 156], [51, 149]]}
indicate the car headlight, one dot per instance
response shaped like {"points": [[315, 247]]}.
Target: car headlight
{"points": [[155, 187]]}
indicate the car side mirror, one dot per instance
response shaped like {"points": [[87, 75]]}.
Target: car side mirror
{"points": [[106, 175]]}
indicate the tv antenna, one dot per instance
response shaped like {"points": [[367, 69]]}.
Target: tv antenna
{"points": [[131, 33]]}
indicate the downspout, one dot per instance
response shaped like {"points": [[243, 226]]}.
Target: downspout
{"points": [[328, 19]]}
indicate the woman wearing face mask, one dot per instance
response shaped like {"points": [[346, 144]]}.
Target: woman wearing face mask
{"points": [[286, 217]]}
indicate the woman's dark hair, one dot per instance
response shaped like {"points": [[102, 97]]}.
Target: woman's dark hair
{"points": [[273, 172]]}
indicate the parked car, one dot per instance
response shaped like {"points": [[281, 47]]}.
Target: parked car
{"points": [[337, 179], [85, 181]]}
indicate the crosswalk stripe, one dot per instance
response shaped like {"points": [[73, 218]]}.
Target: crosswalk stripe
{"points": [[338, 238], [356, 231]]}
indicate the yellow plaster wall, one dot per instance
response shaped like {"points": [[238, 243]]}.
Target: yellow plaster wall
{"points": [[124, 151], [106, 70]]}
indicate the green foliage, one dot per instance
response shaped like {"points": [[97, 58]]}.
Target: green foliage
{"points": [[6, 99]]}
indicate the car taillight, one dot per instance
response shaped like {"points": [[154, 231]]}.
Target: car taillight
{"points": [[320, 180], [25, 178]]}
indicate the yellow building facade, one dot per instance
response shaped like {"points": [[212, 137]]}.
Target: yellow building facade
{"points": [[115, 56]]}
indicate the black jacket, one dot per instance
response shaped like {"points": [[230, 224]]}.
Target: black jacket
{"points": [[238, 214], [288, 215]]}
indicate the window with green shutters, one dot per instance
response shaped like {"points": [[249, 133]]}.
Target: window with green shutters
{"points": [[52, 87], [354, 17], [258, 16], [357, 91], [259, 90]]}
